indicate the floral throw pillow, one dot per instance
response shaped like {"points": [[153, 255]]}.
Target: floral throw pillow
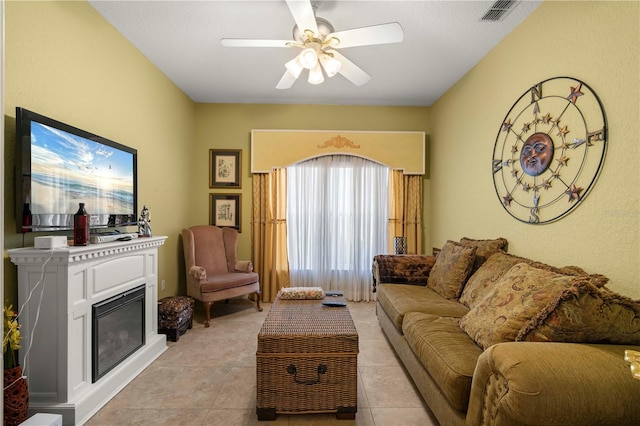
{"points": [[584, 313], [517, 297], [451, 270], [484, 279], [301, 293]]}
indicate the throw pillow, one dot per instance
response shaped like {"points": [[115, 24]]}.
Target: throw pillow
{"points": [[484, 279], [451, 270], [402, 269], [301, 293], [484, 249], [517, 297], [584, 313]]}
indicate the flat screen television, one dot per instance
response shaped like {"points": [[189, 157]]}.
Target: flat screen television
{"points": [[59, 166]]}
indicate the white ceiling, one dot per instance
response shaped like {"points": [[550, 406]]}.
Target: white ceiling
{"points": [[443, 40]]}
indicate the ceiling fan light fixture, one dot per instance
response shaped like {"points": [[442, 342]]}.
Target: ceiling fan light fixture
{"points": [[317, 39], [330, 64], [294, 67], [315, 75], [308, 58], [324, 29]]}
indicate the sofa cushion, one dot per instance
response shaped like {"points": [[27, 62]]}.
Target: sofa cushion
{"points": [[517, 297], [484, 249], [584, 313], [451, 270], [446, 352], [399, 299], [227, 280], [484, 279]]}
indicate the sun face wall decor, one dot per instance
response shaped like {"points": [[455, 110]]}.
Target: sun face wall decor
{"points": [[549, 150]]}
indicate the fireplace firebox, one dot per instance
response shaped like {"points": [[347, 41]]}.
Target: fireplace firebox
{"points": [[118, 330]]}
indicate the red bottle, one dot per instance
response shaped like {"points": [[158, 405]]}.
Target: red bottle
{"points": [[26, 218], [81, 227]]}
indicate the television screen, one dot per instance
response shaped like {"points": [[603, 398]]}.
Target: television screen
{"points": [[62, 166]]}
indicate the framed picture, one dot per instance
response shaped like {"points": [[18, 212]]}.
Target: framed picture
{"points": [[225, 168], [224, 210]]}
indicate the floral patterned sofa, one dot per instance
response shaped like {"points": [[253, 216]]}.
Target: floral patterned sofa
{"points": [[490, 338]]}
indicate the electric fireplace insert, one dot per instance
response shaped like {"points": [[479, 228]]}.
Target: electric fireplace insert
{"points": [[118, 330]]}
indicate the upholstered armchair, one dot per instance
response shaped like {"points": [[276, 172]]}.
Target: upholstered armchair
{"points": [[213, 271]]}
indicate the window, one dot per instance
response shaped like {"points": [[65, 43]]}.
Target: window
{"points": [[336, 222]]}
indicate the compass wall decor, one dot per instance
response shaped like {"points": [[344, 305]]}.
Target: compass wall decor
{"points": [[549, 150]]}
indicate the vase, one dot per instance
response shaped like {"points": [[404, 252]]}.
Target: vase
{"points": [[400, 245], [16, 396]]}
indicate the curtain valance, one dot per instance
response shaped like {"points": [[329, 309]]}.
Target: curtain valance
{"points": [[271, 149]]}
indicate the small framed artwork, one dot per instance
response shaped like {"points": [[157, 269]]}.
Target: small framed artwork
{"points": [[224, 210], [225, 168]]}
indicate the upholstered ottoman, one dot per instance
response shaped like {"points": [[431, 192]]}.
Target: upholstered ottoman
{"points": [[175, 316]]}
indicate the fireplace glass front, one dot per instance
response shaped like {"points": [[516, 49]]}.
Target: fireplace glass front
{"points": [[118, 330]]}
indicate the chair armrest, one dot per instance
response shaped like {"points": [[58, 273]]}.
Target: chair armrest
{"points": [[198, 272], [243, 266], [553, 383], [402, 269]]}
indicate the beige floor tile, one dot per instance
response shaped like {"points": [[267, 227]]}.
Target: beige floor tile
{"points": [[239, 390], [389, 387], [376, 353], [112, 416], [363, 401], [208, 377], [173, 387], [404, 417], [238, 417], [369, 330]]}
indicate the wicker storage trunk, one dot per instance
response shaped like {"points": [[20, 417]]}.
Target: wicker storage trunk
{"points": [[307, 360]]}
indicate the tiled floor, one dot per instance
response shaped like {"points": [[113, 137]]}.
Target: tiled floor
{"points": [[209, 378]]}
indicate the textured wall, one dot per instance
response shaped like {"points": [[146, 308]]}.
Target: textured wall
{"points": [[596, 42], [228, 126], [63, 60]]}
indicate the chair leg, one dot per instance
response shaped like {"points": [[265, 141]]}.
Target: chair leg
{"points": [[258, 301], [207, 312]]}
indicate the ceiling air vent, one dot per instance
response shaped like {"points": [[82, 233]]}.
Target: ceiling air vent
{"points": [[499, 10]]}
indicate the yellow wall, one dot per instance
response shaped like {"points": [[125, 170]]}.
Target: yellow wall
{"points": [[63, 60], [228, 126], [596, 42]]}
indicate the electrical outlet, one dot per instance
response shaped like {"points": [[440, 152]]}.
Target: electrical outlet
{"points": [[163, 285]]}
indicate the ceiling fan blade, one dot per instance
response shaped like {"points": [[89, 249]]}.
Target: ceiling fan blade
{"points": [[366, 36], [286, 81], [349, 70], [247, 42], [303, 15]]}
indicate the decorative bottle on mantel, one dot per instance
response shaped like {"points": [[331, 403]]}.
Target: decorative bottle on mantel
{"points": [[81, 227], [26, 218]]}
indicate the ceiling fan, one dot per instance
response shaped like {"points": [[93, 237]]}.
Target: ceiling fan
{"points": [[320, 43]]}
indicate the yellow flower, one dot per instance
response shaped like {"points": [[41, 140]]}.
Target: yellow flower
{"points": [[12, 338]]}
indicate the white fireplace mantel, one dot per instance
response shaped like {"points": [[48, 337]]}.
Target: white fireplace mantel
{"points": [[64, 283]]}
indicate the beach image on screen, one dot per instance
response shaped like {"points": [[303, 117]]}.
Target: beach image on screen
{"points": [[67, 169]]}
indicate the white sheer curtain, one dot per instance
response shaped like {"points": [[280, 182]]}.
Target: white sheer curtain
{"points": [[337, 213]]}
